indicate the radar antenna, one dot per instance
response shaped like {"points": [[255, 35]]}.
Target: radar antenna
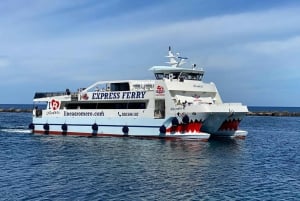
{"points": [[175, 61]]}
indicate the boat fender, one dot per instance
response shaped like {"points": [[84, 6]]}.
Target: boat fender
{"points": [[64, 127], [185, 119], [46, 126], [31, 126], [95, 127], [125, 129], [162, 129], [175, 121]]}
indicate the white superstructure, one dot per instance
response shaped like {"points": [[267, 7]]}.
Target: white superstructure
{"points": [[177, 104]]}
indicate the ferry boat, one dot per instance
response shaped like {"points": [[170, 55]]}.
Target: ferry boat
{"points": [[176, 104]]}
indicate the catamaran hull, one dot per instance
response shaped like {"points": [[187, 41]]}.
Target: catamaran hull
{"points": [[114, 127], [189, 126], [223, 120]]}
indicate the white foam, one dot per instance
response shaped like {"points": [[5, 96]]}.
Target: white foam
{"points": [[15, 130]]}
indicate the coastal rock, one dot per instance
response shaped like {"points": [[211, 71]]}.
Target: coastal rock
{"points": [[274, 113], [19, 110]]}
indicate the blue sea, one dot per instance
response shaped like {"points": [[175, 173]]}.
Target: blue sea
{"points": [[264, 166]]}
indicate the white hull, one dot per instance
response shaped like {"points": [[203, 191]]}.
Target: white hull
{"points": [[115, 127], [200, 126]]}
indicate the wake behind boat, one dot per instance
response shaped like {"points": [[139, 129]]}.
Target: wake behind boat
{"points": [[177, 104]]}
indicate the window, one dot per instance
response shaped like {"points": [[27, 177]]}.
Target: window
{"points": [[118, 105], [119, 86], [159, 76]]}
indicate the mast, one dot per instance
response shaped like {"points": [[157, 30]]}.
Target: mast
{"points": [[175, 60]]}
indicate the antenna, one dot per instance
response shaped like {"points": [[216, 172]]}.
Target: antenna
{"points": [[174, 59]]}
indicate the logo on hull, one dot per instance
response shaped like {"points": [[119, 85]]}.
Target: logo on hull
{"points": [[54, 104], [160, 91]]}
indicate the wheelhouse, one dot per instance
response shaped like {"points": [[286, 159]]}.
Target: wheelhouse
{"points": [[176, 73]]}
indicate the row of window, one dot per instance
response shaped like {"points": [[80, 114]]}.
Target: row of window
{"points": [[121, 105], [180, 76]]}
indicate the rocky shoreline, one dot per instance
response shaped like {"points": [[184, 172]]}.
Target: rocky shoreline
{"points": [[274, 113], [15, 110], [256, 113]]}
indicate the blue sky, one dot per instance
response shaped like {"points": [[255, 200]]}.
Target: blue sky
{"points": [[250, 49]]}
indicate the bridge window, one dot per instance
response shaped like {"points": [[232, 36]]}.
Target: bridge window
{"points": [[191, 76], [159, 76]]}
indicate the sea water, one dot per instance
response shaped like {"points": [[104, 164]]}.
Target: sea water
{"points": [[264, 166]]}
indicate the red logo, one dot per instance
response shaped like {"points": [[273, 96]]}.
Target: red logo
{"points": [[54, 104], [84, 97], [160, 89]]}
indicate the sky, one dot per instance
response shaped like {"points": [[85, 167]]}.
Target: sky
{"points": [[249, 49]]}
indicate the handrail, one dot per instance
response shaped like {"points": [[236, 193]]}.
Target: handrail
{"points": [[50, 94]]}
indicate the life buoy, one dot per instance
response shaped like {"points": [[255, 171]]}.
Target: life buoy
{"points": [[31, 126], [125, 130], [162, 129], [46, 127], [175, 121], [185, 119], [64, 127], [95, 127]]}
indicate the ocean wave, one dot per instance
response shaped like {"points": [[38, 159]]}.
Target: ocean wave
{"points": [[15, 130]]}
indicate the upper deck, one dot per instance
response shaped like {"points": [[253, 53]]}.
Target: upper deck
{"points": [[175, 77], [175, 72]]}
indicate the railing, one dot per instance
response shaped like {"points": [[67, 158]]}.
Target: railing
{"points": [[51, 94], [48, 94]]}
